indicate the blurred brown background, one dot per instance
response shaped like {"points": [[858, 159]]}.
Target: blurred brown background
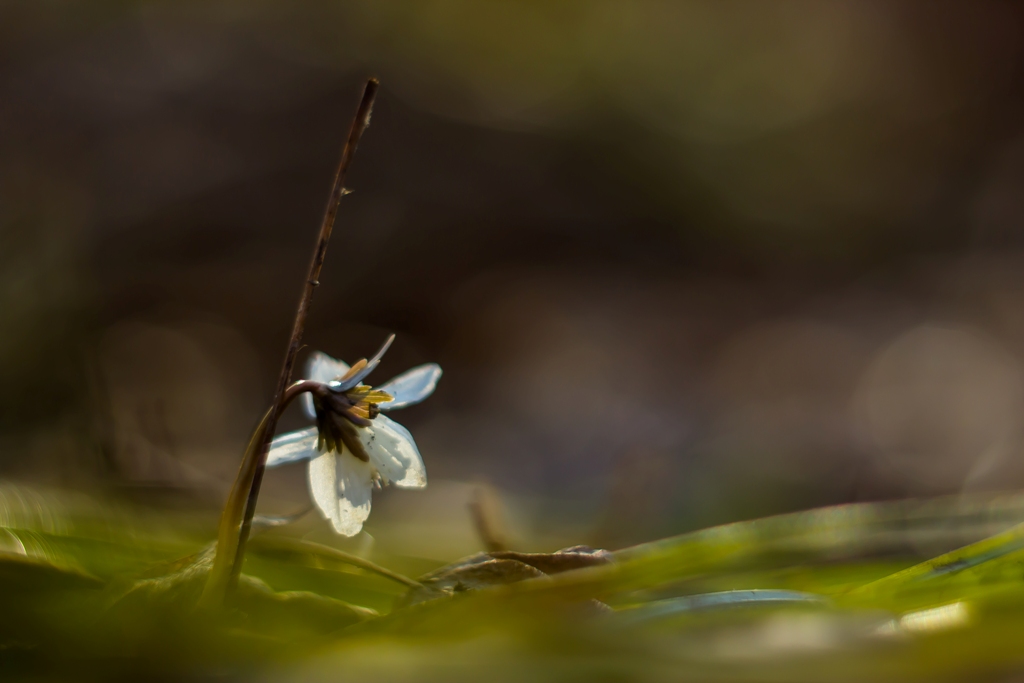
{"points": [[682, 262]]}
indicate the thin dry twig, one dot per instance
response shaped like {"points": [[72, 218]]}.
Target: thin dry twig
{"points": [[318, 550], [483, 508], [236, 520]]}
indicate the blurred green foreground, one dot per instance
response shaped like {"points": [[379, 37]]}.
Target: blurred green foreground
{"points": [[881, 591]]}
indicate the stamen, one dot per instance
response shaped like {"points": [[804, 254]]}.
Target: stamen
{"points": [[364, 394], [351, 416]]}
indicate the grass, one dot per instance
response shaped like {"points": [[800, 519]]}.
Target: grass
{"points": [[908, 590]]}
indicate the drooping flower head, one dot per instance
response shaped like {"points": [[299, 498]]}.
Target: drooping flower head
{"points": [[353, 446]]}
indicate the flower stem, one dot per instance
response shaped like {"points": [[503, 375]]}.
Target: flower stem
{"points": [[236, 520]]}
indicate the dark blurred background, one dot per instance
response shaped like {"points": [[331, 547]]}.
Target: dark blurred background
{"points": [[682, 262]]}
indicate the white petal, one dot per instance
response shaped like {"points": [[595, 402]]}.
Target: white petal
{"points": [[370, 366], [341, 485], [300, 445], [393, 452], [412, 386], [321, 368]]}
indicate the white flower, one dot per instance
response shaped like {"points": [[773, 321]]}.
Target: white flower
{"points": [[353, 447]]}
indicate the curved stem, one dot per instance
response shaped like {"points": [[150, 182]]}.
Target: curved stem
{"points": [[229, 549], [236, 520]]}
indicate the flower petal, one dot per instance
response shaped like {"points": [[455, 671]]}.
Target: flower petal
{"points": [[349, 382], [341, 486], [393, 452], [321, 368], [300, 445], [412, 386]]}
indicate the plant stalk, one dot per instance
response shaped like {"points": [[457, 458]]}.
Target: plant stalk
{"points": [[236, 520]]}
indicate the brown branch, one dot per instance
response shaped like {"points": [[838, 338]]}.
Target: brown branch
{"points": [[236, 520]]}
